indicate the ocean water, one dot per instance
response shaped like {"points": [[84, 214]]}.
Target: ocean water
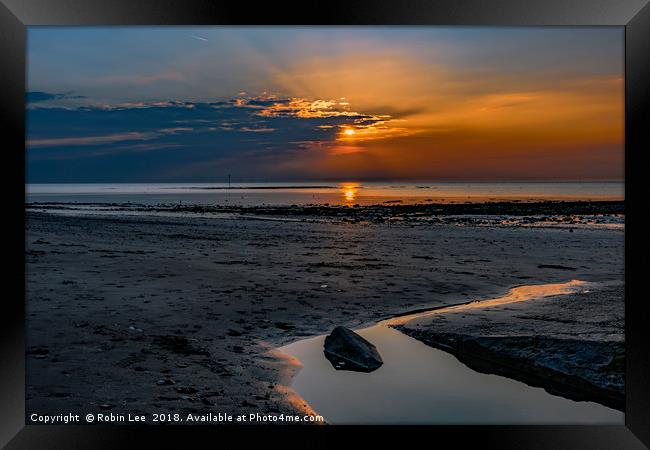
{"points": [[251, 194]]}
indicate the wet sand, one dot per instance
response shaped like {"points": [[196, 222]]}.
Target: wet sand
{"points": [[182, 314]]}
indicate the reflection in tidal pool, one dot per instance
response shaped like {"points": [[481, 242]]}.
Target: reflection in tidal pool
{"points": [[514, 295]]}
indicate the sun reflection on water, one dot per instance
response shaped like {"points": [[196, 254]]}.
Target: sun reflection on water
{"points": [[349, 192]]}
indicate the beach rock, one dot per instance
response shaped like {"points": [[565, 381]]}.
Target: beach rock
{"points": [[346, 350]]}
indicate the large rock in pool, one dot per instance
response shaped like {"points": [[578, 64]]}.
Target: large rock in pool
{"points": [[346, 350]]}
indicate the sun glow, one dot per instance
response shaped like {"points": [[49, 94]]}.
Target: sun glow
{"points": [[349, 132]]}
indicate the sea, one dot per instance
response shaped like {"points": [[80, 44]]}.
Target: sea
{"points": [[322, 193]]}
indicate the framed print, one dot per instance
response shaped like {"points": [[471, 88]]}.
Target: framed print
{"points": [[375, 220]]}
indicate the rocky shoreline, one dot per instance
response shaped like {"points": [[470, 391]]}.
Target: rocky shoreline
{"points": [[515, 208], [485, 356], [571, 345], [538, 213]]}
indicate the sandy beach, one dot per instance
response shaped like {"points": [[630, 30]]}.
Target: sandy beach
{"points": [[183, 314]]}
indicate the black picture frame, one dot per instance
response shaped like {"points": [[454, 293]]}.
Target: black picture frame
{"points": [[16, 15]]}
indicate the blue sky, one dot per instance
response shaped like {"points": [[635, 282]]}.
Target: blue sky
{"points": [[271, 103]]}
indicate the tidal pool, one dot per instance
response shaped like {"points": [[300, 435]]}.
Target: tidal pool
{"points": [[418, 384]]}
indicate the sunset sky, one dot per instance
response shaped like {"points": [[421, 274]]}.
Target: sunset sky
{"points": [[193, 104]]}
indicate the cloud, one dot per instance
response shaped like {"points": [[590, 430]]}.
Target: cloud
{"points": [[105, 139], [90, 140], [39, 96], [493, 135], [248, 134], [257, 130]]}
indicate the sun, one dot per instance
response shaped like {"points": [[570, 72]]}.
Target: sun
{"points": [[349, 131]]}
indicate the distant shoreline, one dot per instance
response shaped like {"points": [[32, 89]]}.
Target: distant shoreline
{"points": [[330, 183], [211, 188]]}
